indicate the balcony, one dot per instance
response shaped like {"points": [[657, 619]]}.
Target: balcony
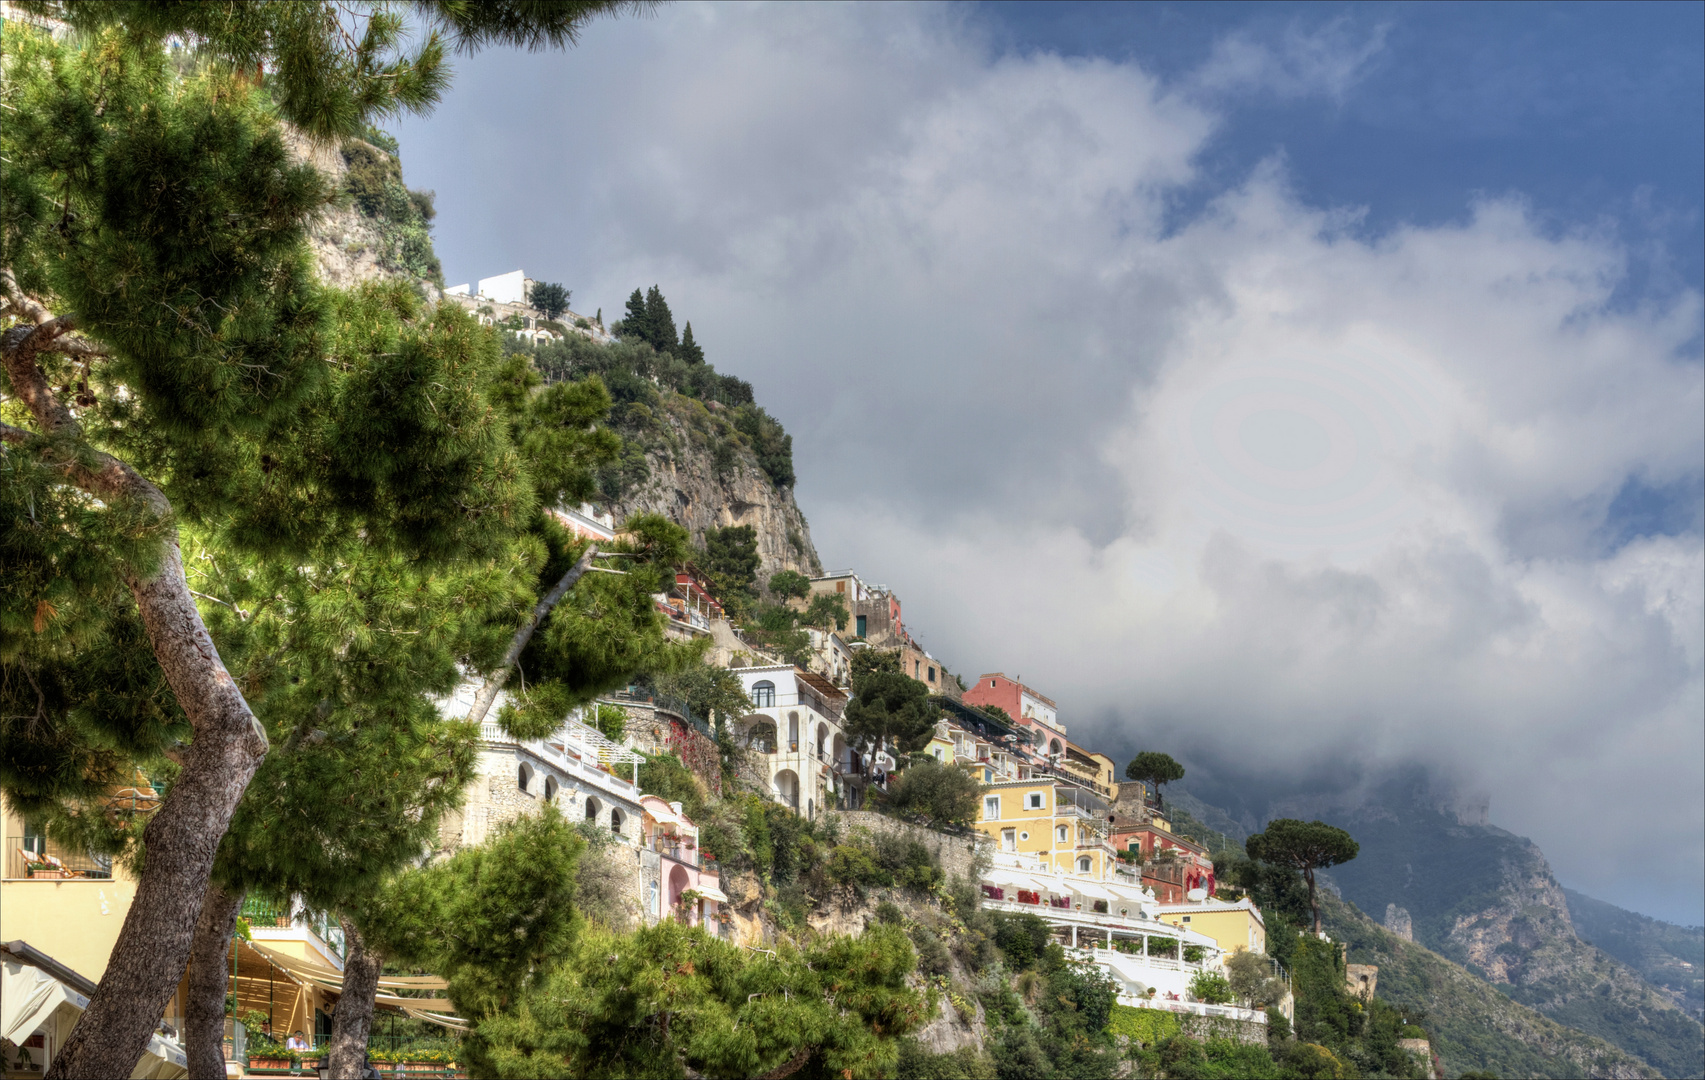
{"points": [[556, 752], [273, 920], [36, 858]]}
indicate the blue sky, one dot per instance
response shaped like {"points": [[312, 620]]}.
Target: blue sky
{"points": [[1593, 112], [1272, 384]]}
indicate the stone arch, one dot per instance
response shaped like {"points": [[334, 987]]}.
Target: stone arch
{"points": [[1054, 747], [524, 777], [785, 786], [822, 740], [593, 809], [678, 883], [617, 820], [550, 789], [758, 732]]}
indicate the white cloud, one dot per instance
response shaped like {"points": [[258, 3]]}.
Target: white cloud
{"points": [[1297, 62], [1253, 483]]}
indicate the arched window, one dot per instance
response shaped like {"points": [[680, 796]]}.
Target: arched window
{"points": [[616, 822], [1055, 747], [1083, 865], [764, 694], [592, 809], [524, 776], [550, 789], [762, 737], [792, 731]]}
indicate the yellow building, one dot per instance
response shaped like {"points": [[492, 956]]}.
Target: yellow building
{"points": [[1096, 770], [1062, 825], [941, 745], [1235, 925]]}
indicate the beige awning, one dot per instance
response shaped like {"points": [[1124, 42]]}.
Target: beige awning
{"points": [[659, 810], [1092, 890], [332, 979], [711, 892]]}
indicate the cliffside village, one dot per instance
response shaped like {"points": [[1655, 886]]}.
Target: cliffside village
{"points": [[1059, 834]]}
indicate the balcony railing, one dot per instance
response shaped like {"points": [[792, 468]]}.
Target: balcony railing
{"points": [[35, 857], [272, 915], [830, 711], [568, 763]]}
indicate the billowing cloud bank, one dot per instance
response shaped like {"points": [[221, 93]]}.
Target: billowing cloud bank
{"points": [[1245, 482]]}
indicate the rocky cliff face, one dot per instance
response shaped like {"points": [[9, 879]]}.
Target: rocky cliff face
{"points": [[1441, 876], [698, 488]]}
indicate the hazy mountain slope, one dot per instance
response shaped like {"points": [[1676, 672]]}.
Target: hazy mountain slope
{"points": [[1667, 955], [1486, 899], [1473, 1025]]}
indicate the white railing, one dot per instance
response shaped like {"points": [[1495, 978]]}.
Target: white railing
{"points": [[568, 763], [1130, 924], [826, 710]]}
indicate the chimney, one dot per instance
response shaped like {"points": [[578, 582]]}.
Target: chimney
{"points": [[675, 806]]}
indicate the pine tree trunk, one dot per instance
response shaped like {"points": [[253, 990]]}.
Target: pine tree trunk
{"points": [[1313, 903], [352, 1020], [181, 839], [226, 746], [204, 1009]]}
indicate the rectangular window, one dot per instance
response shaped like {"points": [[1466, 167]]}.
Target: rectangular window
{"points": [[1009, 839], [1034, 801], [932, 674], [991, 808]]}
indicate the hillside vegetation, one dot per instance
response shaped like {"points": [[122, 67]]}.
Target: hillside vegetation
{"points": [[1474, 1026], [715, 413], [1667, 955]]}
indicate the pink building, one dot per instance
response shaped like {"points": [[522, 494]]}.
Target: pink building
{"points": [[685, 869]]}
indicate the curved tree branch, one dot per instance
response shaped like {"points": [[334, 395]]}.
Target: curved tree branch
{"points": [[493, 685]]}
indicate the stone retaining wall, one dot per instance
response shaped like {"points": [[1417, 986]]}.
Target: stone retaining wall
{"points": [[958, 854]]}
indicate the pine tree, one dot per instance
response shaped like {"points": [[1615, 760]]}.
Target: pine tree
{"points": [[549, 298], [196, 404], [689, 349], [311, 826], [636, 323], [668, 996], [888, 707], [660, 324]]}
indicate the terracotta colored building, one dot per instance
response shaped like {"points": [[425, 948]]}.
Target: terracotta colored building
{"points": [[1034, 714]]}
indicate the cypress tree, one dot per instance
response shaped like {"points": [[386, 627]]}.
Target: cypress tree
{"points": [[689, 349], [660, 324], [636, 323], [188, 407]]}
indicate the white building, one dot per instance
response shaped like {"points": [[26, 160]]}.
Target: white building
{"points": [[794, 731], [1116, 926], [589, 778]]}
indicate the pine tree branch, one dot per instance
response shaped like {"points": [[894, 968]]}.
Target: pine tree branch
{"points": [[493, 685]]}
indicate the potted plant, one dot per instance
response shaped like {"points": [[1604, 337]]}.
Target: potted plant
{"points": [[268, 1054]]}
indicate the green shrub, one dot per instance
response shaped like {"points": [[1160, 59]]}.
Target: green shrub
{"points": [[1211, 987], [1146, 1026]]}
